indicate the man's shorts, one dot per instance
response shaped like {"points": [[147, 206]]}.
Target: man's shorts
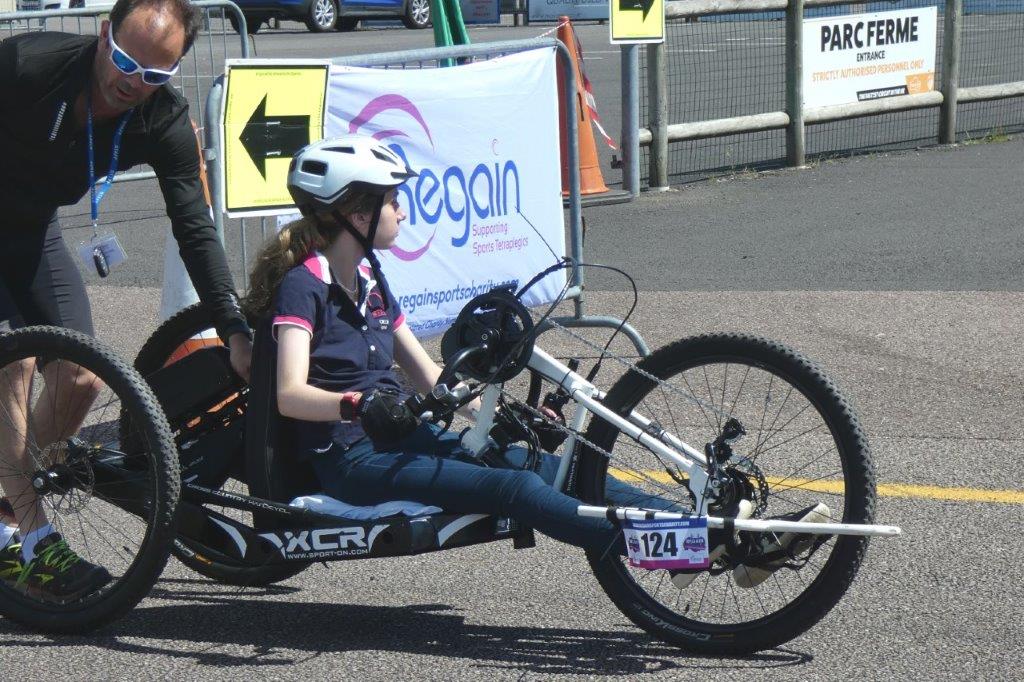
{"points": [[39, 281]]}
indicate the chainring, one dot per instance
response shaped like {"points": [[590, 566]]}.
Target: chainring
{"points": [[502, 325]]}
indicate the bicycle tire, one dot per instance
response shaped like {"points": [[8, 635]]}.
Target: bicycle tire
{"points": [[143, 565], [797, 613], [164, 344]]}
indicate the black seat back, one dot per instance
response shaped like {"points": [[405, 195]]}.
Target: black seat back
{"points": [[272, 471]]}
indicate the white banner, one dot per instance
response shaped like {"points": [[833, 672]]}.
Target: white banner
{"points": [[486, 208], [860, 57]]}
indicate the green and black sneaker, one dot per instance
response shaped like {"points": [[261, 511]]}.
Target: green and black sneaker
{"points": [[10, 562], [57, 572]]}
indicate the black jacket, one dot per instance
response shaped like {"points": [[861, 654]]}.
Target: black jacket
{"points": [[45, 162]]}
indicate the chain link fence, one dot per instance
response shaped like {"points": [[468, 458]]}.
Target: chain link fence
{"points": [[728, 65]]}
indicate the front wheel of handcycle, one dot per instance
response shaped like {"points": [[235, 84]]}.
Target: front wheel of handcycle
{"points": [[802, 448], [185, 332], [65, 401]]}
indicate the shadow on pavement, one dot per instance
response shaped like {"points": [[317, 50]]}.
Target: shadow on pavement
{"points": [[289, 633]]}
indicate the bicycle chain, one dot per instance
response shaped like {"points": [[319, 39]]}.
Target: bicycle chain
{"points": [[761, 484], [580, 438], [645, 374], [558, 425]]}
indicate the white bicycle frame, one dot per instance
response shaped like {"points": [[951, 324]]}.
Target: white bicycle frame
{"points": [[666, 445]]}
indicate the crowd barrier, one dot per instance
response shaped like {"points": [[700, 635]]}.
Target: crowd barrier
{"points": [[430, 59], [216, 42], [204, 63]]}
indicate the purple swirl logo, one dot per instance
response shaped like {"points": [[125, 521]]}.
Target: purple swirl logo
{"points": [[375, 107], [458, 194]]}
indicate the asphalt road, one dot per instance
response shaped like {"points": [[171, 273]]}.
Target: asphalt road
{"points": [[900, 274]]}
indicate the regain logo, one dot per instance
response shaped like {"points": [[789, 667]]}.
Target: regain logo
{"points": [[479, 191]]}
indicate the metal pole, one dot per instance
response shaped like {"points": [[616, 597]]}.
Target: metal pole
{"points": [[795, 149], [657, 112], [951, 39], [631, 119], [214, 164]]}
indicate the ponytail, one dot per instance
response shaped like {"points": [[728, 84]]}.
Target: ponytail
{"points": [[279, 255], [291, 246]]}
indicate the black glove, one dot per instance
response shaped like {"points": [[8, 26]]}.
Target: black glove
{"points": [[385, 417]]}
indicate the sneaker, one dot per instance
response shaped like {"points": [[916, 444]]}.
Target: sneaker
{"points": [[794, 544], [10, 561], [58, 572], [682, 579]]}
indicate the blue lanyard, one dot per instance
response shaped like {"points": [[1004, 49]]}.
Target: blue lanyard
{"points": [[96, 195]]}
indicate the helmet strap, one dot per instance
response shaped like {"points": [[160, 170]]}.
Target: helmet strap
{"points": [[366, 241], [343, 222]]}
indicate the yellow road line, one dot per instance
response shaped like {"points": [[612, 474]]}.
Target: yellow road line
{"points": [[907, 490], [934, 492]]}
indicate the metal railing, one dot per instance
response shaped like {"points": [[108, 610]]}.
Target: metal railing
{"points": [[779, 59], [199, 68], [429, 59]]}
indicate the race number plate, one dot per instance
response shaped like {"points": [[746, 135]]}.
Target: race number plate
{"points": [[667, 544]]}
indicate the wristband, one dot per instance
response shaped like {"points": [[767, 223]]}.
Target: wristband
{"points": [[348, 407]]}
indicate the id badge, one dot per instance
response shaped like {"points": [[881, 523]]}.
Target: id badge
{"points": [[674, 544], [102, 253]]}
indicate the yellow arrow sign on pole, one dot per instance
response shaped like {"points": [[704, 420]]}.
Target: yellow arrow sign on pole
{"points": [[637, 21], [271, 110]]}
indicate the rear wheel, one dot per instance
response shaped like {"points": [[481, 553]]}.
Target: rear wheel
{"points": [[109, 487], [803, 446], [417, 14], [323, 15], [188, 331]]}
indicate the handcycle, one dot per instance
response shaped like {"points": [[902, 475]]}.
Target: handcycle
{"points": [[774, 438]]}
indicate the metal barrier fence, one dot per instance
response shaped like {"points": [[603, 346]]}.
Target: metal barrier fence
{"points": [[204, 63], [723, 72], [432, 58]]}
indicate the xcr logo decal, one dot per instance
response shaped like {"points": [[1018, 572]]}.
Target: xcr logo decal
{"points": [[323, 542]]}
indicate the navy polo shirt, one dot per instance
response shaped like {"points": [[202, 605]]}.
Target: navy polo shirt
{"points": [[351, 348]]}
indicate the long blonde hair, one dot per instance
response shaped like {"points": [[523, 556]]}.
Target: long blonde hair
{"points": [[291, 246]]}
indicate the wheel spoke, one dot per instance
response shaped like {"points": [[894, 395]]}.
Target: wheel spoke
{"points": [[795, 422]]}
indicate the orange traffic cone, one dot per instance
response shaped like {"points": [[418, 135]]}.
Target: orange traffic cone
{"points": [[591, 181]]}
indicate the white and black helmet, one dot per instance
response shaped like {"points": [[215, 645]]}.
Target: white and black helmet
{"points": [[325, 173]]}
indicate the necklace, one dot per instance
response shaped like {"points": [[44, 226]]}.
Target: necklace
{"points": [[351, 292]]}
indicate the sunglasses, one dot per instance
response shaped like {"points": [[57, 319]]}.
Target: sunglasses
{"points": [[128, 66]]}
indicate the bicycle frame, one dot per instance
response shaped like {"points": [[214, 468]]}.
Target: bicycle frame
{"points": [[666, 445], [301, 535]]}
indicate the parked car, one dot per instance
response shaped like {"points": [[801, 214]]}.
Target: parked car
{"points": [[332, 15], [33, 5]]}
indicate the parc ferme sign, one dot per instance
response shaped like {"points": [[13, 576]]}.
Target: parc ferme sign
{"points": [[486, 207], [862, 57]]}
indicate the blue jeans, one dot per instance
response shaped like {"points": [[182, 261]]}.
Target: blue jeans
{"points": [[434, 469]]}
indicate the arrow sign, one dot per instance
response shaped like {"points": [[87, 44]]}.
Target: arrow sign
{"points": [[632, 5], [266, 137]]}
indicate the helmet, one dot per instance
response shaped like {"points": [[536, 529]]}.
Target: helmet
{"points": [[327, 172]]}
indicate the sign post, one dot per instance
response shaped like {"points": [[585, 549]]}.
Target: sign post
{"points": [[271, 111]]}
